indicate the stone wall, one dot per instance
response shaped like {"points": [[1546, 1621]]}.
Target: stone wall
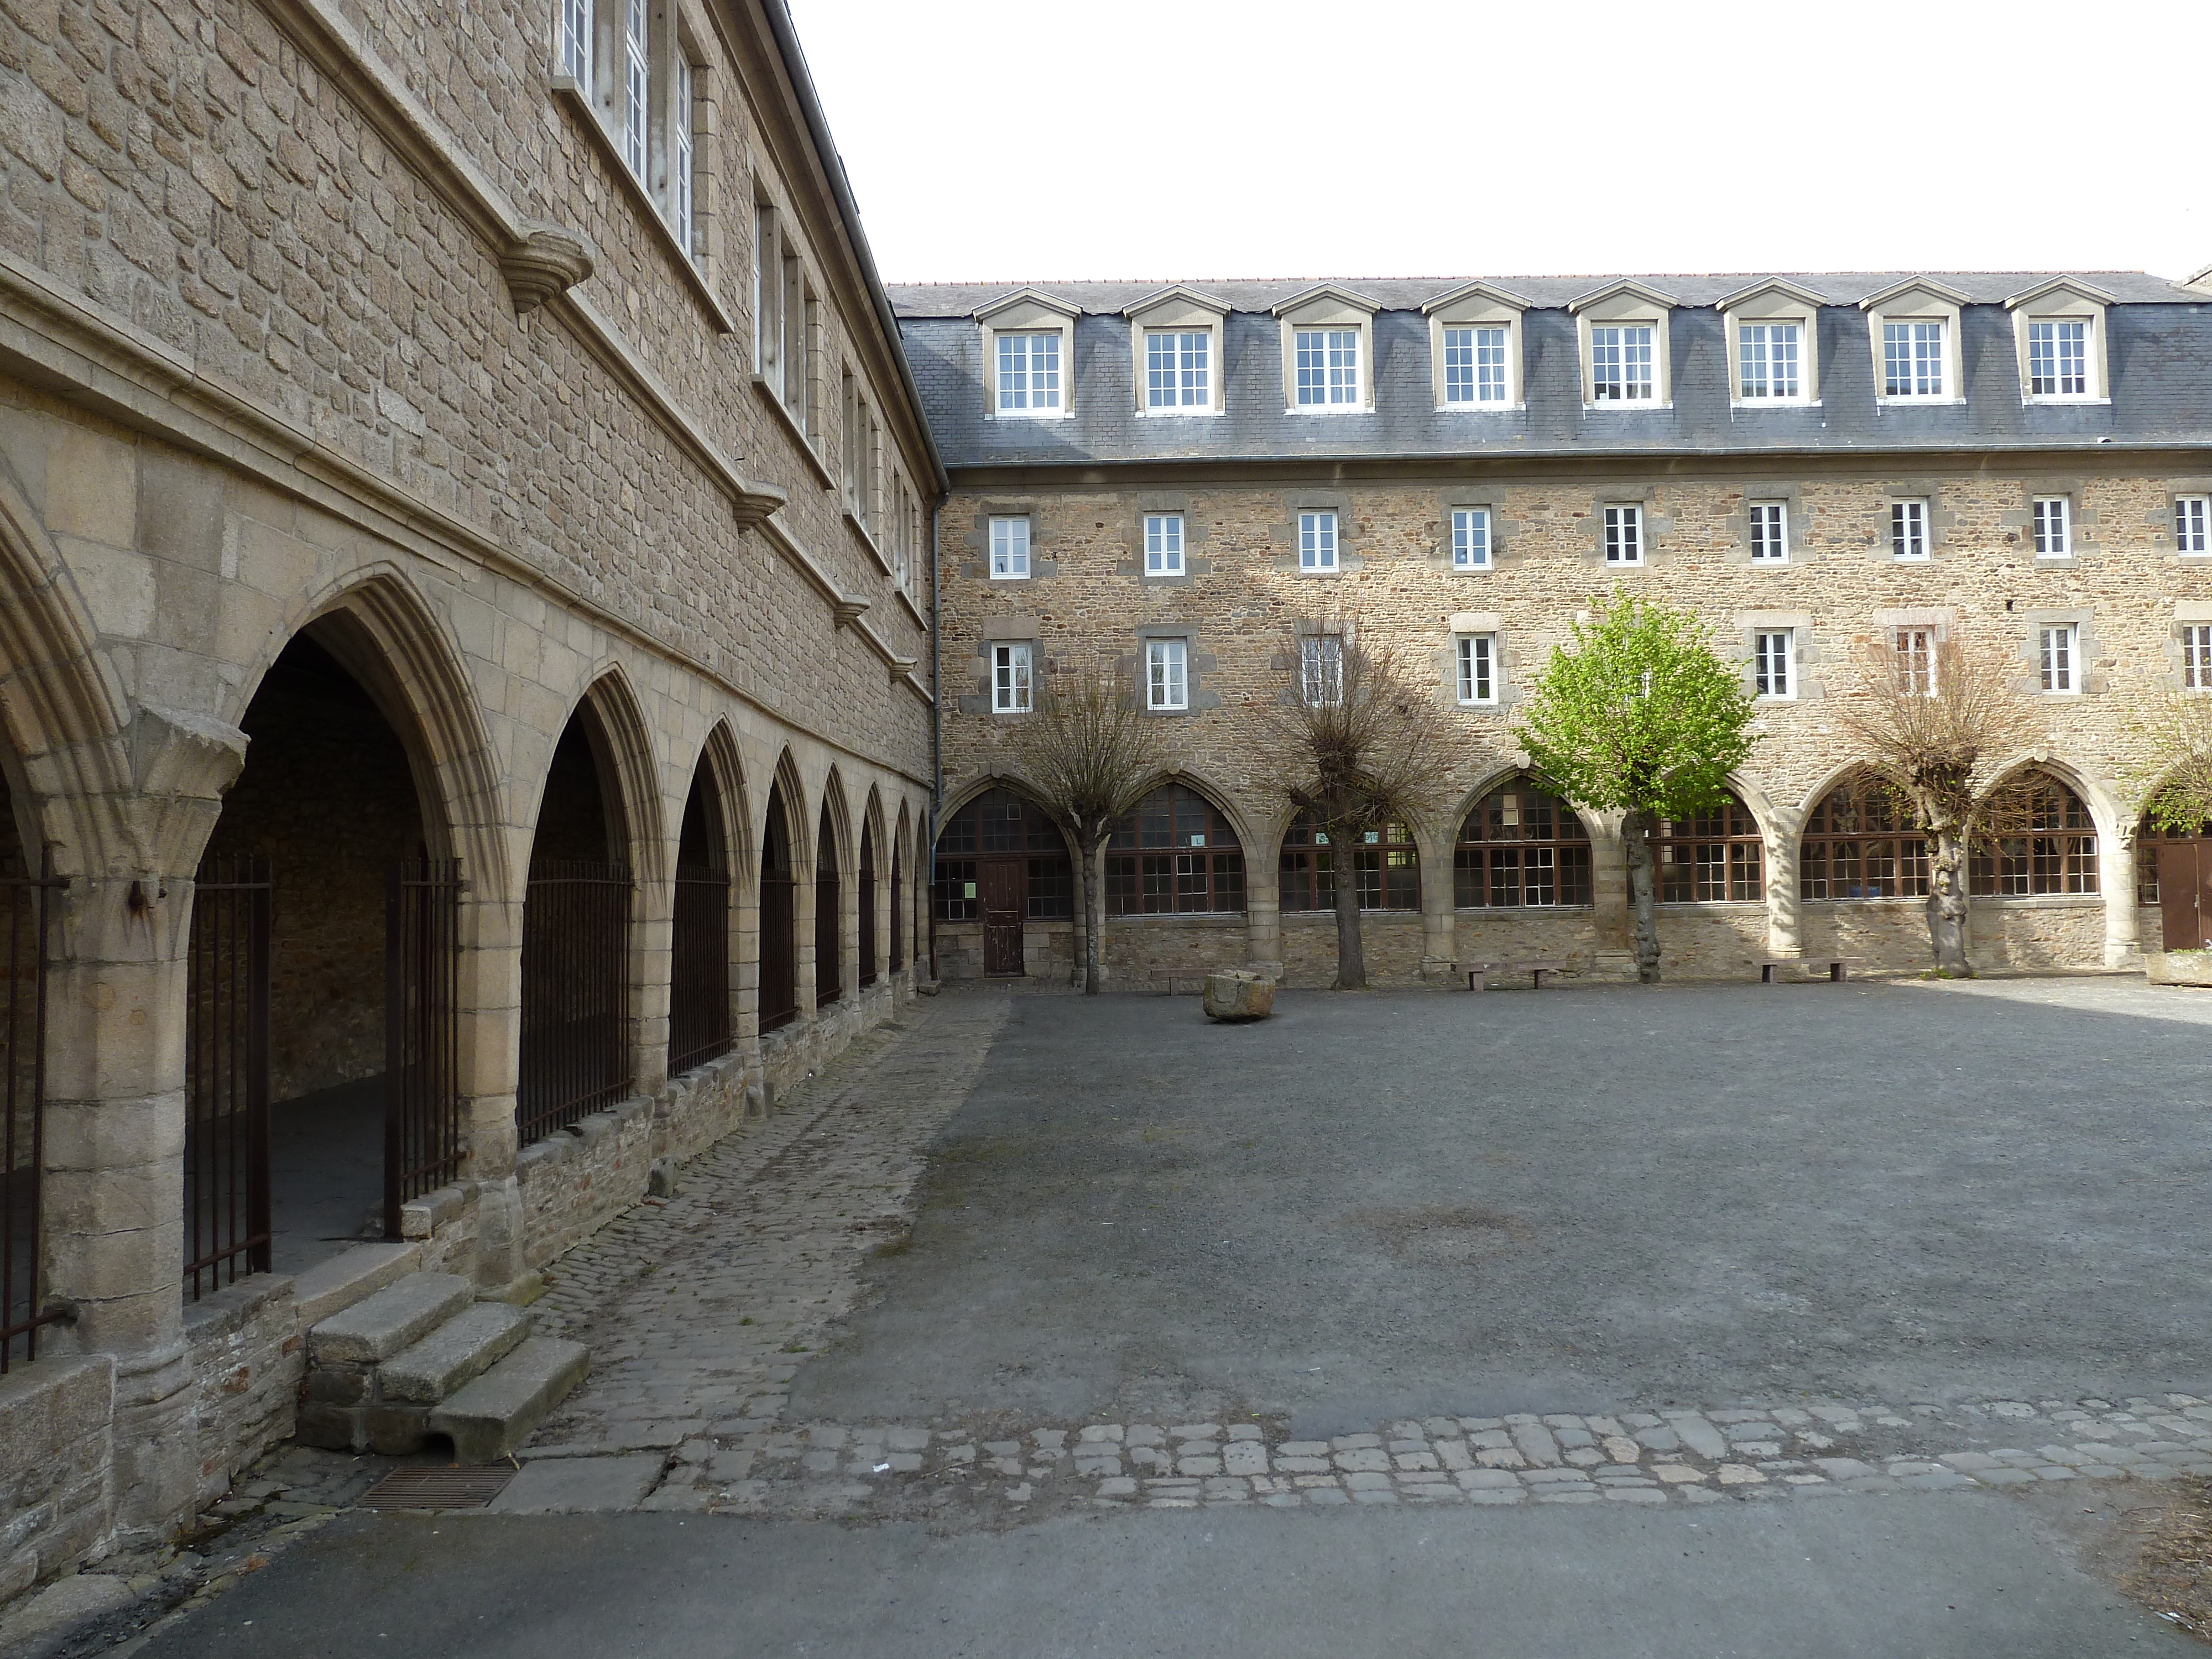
{"points": [[1840, 590], [57, 1450], [248, 1355]]}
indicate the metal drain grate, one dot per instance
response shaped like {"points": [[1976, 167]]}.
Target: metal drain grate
{"points": [[418, 1488]]}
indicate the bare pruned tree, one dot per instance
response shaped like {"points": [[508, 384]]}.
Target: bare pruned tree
{"points": [[1089, 750], [1934, 717], [1355, 743]]}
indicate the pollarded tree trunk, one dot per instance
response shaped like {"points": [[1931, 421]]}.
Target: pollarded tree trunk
{"points": [[1946, 897], [1094, 918], [1351, 954], [1643, 894]]}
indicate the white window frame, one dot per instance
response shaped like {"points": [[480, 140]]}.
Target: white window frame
{"points": [[2052, 526], [1474, 659], [1167, 675], [2196, 656], [1771, 303], [2192, 526], [1917, 649], [637, 87], [1909, 542], [572, 44], [1328, 310], [1013, 677], [1027, 371], [1916, 355], [1470, 539], [1492, 317], [1028, 312], [1177, 310], [1622, 357], [683, 151], [1624, 305], [1621, 533], [2058, 649], [2061, 301], [1320, 669], [1164, 543], [1917, 300], [2049, 370], [1779, 353], [1009, 545], [1329, 369], [1773, 665], [1769, 532], [1319, 551], [1182, 343]]}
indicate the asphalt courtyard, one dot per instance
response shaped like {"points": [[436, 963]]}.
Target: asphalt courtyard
{"points": [[1583, 1200], [1586, 1201]]}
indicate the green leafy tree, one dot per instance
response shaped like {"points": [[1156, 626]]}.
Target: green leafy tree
{"points": [[1638, 715]]}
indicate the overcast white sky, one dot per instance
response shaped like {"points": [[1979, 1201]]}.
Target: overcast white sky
{"points": [[1422, 138]]}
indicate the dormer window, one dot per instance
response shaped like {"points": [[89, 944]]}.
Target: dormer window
{"points": [[1624, 341], [1474, 342], [1772, 329], [1769, 354], [1176, 337], [1327, 343], [2058, 327], [1028, 373], [1029, 340], [1913, 327]]}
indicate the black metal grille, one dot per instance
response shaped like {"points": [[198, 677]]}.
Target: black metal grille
{"points": [[226, 1076], [421, 1037], [867, 897], [575, 995], [699, 969], [24, 1009], [898, 908], [828, 981]]}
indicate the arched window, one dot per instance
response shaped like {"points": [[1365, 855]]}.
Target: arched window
{"points": [[1175, 854], [779, 941], [1712, 858], [1000, 826], [2037, 838], [1389, 865], [1520, 847], [829, 956], [1860, 843]]}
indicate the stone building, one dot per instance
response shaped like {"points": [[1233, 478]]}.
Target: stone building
{"points": [[1178, 478], [465, 627]]}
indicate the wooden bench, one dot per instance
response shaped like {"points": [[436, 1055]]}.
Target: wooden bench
{"points": [[1478, 972], [1838, 968]]}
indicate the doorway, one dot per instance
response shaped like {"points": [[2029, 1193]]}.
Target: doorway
{"points": [[1002, 889], [2179, 871]]}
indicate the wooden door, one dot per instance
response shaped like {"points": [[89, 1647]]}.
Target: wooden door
{"points": [[2185, 874], [1003, 897]]}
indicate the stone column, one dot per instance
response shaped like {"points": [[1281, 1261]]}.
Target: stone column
{"points": [[652, 959], [1610, 920], [116, 1001], [2122, 922], [488, 992], [1263, 908], [1439, 916], [1785, 934]]}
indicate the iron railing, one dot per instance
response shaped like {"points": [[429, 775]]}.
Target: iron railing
{"points": [[898, 913], [699, 969], [227, 1075], [828, 981], [575, 995], [867, 897], [779, 950], [23, 1030], [422, 1035]]}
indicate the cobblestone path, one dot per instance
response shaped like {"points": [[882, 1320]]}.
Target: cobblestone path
{"points": [[698, 1308]]}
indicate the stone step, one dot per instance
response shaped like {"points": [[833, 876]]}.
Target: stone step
{"points": [[491, 1416], [380, 1325], [464, 1346]]}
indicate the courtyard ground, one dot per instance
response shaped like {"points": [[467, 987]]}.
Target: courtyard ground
{"points": [[1691, 1320]]}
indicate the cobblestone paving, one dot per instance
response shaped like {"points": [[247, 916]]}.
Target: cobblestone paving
{"points": [[698, 1308]]}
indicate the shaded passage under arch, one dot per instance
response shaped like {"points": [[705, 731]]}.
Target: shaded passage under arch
{"points": [[699, 1023], [779, 942], [829, 964]]}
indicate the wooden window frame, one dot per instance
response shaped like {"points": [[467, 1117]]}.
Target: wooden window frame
{"points": [[1682, 855], [1305, 873], [1483, 876], [1176, 853]]}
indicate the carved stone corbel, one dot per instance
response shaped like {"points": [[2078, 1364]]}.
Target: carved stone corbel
{"points": [[545, 263]]}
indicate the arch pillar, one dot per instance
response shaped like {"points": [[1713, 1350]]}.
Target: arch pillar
{"points": [[1785, 921], [2123, 919], [1613, 925], [1263, 904], [1439, 914]]}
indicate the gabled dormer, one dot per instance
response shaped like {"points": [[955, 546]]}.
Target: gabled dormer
{"points": [[1329, 351], [1913, 329], [2059, 336], [1474, 348], [1622, 331], [1773, 330], [1029, 350], [1176, 339]]}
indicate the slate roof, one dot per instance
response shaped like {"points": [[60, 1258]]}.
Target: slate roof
{"points": [[2159, 352]]}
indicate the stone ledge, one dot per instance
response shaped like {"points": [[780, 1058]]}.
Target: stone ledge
{"points": [[347, 1276], [230, 1308]]}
